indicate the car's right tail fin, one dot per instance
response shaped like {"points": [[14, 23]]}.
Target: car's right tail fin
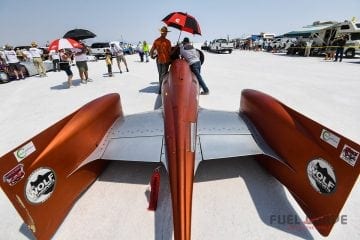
{"points": [[316, 164]]}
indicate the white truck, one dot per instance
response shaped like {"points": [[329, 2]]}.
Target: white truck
{"points": [[98, 49], [221, 45]]}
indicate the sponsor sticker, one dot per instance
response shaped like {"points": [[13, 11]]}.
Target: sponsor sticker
{"points": [[40, 185], [330, 138], [14, 175], [322, 176], [24, 151], [349, 155]]}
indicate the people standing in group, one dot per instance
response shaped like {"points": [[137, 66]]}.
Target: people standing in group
{"points": [[108, 61], [191, 55], [81, 63], [65, 59], [37, 59], [161, 50], [55, 58], [340, 48], [13, 61], [118, 52], [146, 50]]}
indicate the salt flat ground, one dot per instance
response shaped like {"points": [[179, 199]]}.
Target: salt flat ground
{"points": [[233, 198]]}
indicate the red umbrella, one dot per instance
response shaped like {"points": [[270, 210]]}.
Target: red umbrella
{"points": [[64, 43], [183, 22]]}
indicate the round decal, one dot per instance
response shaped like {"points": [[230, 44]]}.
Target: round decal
{"points": [[321, 176], [21, 153], [326, 135], [40, 185]]}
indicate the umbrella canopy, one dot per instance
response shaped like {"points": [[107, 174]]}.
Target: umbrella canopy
{"points": [[79, 34], [183, 22], [308, 30], [64, 43]]}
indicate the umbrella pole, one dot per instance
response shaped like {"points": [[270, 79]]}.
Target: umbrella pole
{"points": [[179, 37]]}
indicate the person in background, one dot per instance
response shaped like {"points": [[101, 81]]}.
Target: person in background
{"points": [[20, 55], [190, 54], [37, 60], [108, 61], [27, 55], [308, 47], [139, 49], [161, 50], [81, 63], [65, 59], [340, 48], [54, 56], [13, 61], [2, 58], [118, 52], [146, 50]]}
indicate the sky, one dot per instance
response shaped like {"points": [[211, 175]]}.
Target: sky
{"points": [[24, 21]]}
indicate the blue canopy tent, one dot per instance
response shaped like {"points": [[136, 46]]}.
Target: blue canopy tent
{"points": [[255, 37]]}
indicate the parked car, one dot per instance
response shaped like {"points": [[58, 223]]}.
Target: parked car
{"points": [[22, 47], [205, 46], [221, 46], [98, 49], [128, 48], [282, 43], [352, 46], [28, 69]]}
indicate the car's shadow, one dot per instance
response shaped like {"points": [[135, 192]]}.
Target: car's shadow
{"points": [[267, 194]]}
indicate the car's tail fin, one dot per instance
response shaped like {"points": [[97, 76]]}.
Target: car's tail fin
{"points": [[317, 165], [36, 176]]}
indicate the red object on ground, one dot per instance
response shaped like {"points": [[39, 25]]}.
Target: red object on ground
{"points": [[154, 194]]}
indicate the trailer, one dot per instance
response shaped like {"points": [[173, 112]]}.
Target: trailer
{"points": [[323, 34]]}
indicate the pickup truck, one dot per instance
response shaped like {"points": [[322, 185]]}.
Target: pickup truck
{"points": [[221, 45], [98, 49]]}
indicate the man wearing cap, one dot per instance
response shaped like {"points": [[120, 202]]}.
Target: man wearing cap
{"points": [[191, 55], [37, 60], [161, 50]]}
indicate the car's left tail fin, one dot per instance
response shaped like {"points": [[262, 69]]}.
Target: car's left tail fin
{"points": [[38, 176]]}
